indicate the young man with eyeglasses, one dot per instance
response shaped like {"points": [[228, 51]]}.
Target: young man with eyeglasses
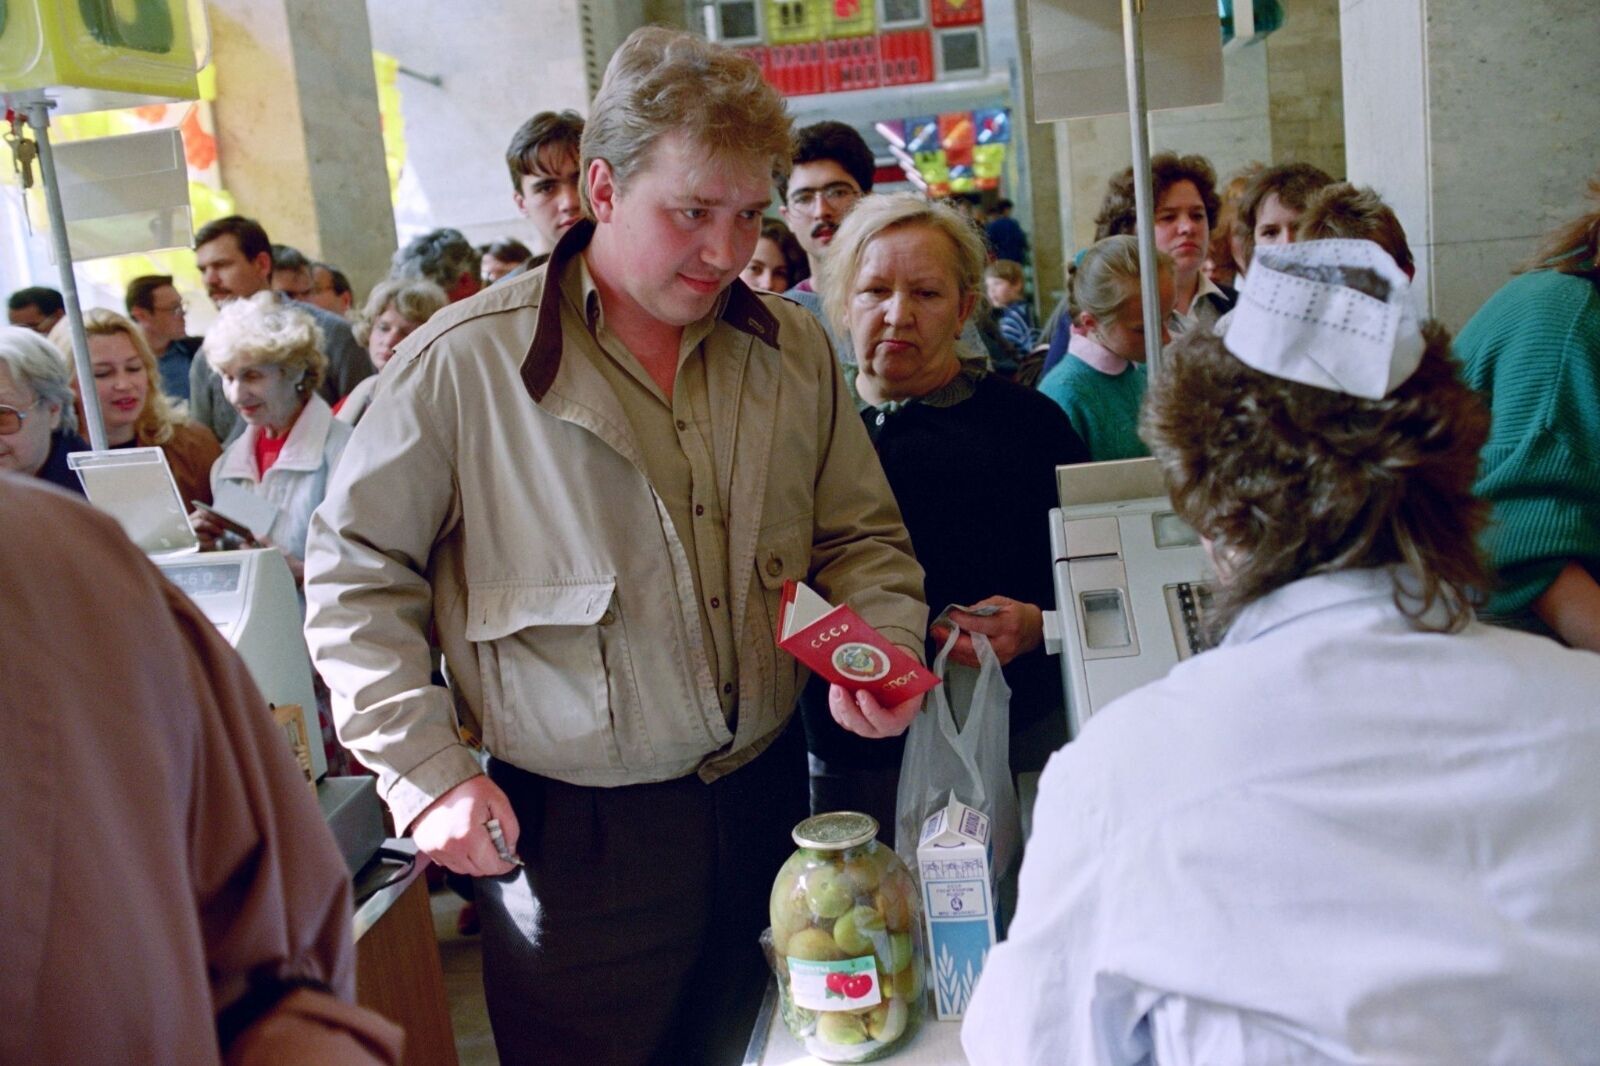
{"points": [[157, 309], [831, 169], [829, 173]]}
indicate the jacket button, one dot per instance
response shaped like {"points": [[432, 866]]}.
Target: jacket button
{"points": [[774, 566], [609, 617], [682, 425]]}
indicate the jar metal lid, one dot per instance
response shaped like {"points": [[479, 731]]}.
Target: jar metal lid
{"points": [[836, 830]]}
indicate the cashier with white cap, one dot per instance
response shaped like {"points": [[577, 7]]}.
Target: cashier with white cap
{"points": [[1365, 828]]}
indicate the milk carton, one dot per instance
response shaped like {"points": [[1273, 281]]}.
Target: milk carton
{"points": [[953, 858]]}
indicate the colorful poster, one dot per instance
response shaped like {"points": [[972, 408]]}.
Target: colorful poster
{"points": [[849, 18], [993, 125], [922, 134], [988, 163]]}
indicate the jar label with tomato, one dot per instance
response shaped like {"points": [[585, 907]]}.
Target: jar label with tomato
{"points": [[849, 984]]}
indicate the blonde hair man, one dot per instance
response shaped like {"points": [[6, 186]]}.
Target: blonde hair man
{"points": [[593, 481]]}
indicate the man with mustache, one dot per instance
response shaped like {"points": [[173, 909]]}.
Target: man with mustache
{"points": [[234, 255], [592, 482], [831, 169]]}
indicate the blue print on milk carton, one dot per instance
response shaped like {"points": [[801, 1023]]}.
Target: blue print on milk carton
{"points": [[957, 901]]}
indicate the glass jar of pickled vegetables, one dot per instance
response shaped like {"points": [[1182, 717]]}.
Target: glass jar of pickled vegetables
{"points": [[847, 941]]}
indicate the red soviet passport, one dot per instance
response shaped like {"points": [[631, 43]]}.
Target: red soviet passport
{"points": [[838, 646]]}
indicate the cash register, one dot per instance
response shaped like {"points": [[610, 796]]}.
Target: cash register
{"points": [[250, 596], [1132, 583]]}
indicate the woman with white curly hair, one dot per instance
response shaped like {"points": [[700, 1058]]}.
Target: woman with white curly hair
{"points": [[269, 356]]}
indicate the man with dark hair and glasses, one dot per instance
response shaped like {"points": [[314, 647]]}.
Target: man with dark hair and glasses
{"points": [[157, 309], [36, 308], [831, 169]]}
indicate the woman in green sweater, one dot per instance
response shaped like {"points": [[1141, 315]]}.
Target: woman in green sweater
{"points": [[1533, 350], [1100, 382]]}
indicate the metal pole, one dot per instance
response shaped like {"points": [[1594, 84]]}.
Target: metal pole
{"points": [[39, 119], [1138, 119]]}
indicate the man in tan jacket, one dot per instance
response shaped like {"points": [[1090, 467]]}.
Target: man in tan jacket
{"points": [[592, 482]]}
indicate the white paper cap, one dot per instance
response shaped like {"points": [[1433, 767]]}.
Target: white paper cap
{"points": [[1302, 315]]}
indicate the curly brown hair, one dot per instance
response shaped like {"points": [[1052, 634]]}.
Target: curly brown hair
{"points": [[1292, 183], [1288, 480], [1119, 213]]}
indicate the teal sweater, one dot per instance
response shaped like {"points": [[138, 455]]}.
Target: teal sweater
{"points": [[1103, 408], [1533, 351]]}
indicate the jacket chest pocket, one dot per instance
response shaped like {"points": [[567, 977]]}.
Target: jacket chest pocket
{"points": [[542, 659], [783, 553]]}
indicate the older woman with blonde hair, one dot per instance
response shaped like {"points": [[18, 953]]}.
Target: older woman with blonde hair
{"points": [[393, 312], [971, 458], [136, 413], [1364, 827], [269, 357]]}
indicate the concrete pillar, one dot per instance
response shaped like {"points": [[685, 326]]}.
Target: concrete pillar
{"points": [[297, 125], [1470, 118]]}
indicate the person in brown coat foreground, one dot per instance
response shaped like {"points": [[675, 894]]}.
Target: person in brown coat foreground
{"points": [[171, 891]]}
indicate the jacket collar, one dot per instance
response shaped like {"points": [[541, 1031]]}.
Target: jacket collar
{"points": [[308, 438], [742, 310], [1322, 592]]}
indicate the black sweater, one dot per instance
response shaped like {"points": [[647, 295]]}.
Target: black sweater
{"points": [[975, 482]]}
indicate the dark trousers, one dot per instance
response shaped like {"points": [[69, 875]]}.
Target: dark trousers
{"points": [[630, 937]]}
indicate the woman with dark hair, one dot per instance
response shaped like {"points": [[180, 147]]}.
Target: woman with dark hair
{"points": [[1533, 351], [778, 263], [503, 258], [1364, 827], [1186, 203]]}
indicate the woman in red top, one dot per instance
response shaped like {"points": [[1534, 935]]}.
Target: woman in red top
{"points": [[270, 360]]}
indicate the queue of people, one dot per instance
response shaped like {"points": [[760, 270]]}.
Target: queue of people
{"points": [[585, 476]]}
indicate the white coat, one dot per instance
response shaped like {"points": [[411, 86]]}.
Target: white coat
{"points": [[1333, 839], [297, 482]]}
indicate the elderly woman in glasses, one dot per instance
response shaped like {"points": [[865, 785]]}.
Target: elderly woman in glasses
{"points": [[971, 458], [37, 422], [1363, 828], [136, 414], [269, 357]]}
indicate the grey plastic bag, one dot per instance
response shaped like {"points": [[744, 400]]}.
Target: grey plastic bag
{"points": [[960, 743]]}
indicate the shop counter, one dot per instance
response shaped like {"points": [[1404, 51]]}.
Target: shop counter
{"points": [[936, 1043], [397, 958]]}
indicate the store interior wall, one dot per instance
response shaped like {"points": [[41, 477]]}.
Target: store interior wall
{"points": [[1472, 119]]}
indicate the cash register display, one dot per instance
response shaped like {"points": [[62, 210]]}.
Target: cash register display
{"points": [[211, 579]]}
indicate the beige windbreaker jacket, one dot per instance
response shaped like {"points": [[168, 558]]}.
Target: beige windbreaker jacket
{"points": [[495, 490]]}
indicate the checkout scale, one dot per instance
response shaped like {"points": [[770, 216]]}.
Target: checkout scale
{"points": [[1132, 586], [250, 596], [1132, 583]]}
